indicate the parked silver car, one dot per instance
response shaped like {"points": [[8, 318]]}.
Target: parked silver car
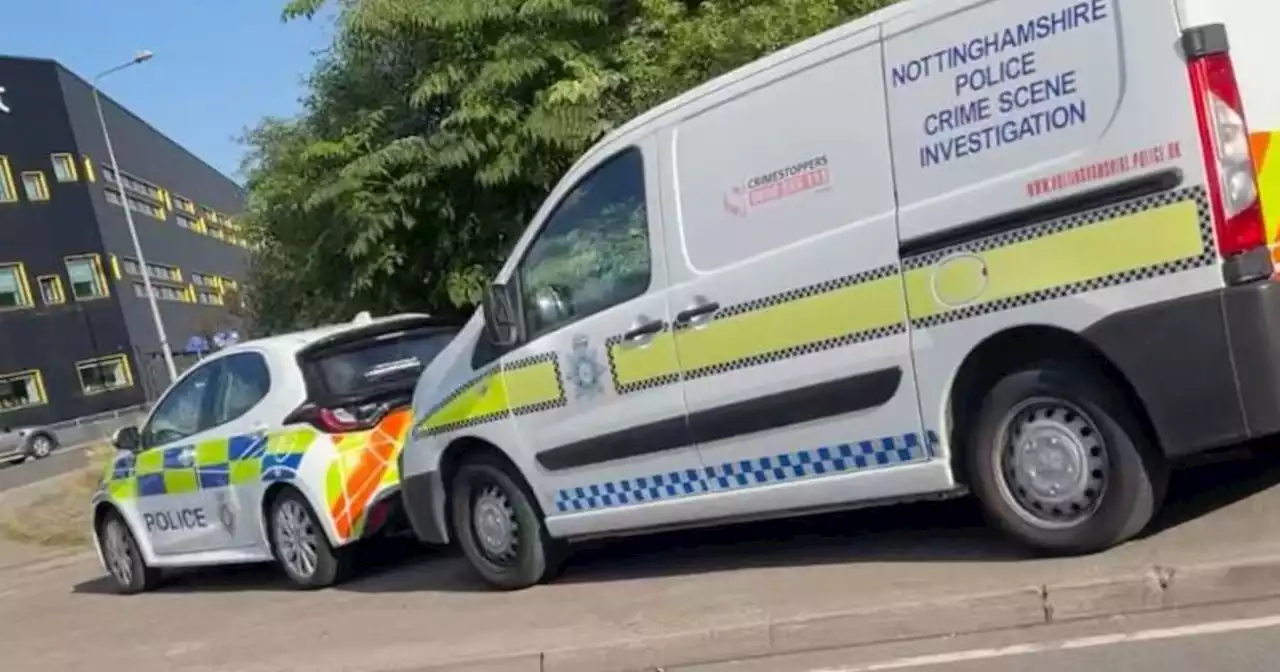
{"points": [[26, 442]]}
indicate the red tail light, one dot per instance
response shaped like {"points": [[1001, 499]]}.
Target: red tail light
{"points": [[1224, 136], [340, 419]]}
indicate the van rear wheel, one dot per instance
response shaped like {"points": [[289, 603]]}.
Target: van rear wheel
{"points": [[499, 528], [1061, 463]]}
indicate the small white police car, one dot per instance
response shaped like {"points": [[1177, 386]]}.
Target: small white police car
{"points": [[282, 448]]}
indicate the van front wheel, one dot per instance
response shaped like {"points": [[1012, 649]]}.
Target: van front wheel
{"points": [[1060, 463], [499, 527]]}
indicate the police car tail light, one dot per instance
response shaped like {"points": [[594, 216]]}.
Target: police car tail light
{"points": [[340, 419], [1224, 136]]}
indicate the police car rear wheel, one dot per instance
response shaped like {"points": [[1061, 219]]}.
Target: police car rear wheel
{"points": [[499, 528], [300, 546], [1060, 463], [123, 559]]}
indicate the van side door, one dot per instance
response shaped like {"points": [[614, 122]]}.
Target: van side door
{"points": [[787, 295], [604, 431]]}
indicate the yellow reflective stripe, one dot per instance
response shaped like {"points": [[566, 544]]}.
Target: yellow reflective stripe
{"points": [[486, 396], [122, 489], [532, 385], [211, 453], [1268, 165], [859, 308], [180, 481], [241, 472], [149, 462], [632, 364], [1124, 243]]}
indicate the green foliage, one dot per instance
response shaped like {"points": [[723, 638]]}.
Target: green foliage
{"points": [[434, 128]]}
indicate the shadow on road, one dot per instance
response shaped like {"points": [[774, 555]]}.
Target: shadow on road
{"points": [[928, 532]]}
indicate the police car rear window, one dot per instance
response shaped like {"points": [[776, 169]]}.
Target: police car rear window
{"points": [[381, 361]]}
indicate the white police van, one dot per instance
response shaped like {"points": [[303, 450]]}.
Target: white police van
{"points": [[1013, 247], [281, 448]]}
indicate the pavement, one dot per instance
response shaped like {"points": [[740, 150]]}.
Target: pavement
{"points": [[18, 474], [1239, 637], [749, 592]]}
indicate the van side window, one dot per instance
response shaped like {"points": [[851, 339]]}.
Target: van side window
{"points": [[593, 253]]}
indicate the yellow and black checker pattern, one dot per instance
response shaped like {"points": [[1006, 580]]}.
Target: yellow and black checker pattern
{"points": [[521, 387], [1141, 239]]}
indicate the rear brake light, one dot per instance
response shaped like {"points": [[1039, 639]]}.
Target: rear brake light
{"points": [[1224, 136], [340, 419]]}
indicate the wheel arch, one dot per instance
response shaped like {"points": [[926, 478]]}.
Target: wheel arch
{"points": [[273, 491], [462, 448], [1009, 350], [106, 507]]}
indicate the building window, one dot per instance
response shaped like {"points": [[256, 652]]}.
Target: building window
{"points": [[64, 168], [21, 390], [34, 184], [136, 204], [88, 170], [184, 204], [206, 280], [157, 271], [87, 280], [209, 298], [133, 184], [51, 291], [14, 292], [163, 292], [8, 192], [104, 375], [188, 223]]}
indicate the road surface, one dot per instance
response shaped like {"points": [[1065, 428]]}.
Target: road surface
{"points": [[411, 609], [17, 474], [1225, 638]]}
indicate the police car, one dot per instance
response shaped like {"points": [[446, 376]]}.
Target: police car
{"points": [[1009, 247], [279, 449]]}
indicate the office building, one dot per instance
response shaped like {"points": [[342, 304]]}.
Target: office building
{"points": [[76, 333]]}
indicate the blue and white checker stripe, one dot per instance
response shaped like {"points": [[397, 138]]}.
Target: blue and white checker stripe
{"points": [[844, 458]]}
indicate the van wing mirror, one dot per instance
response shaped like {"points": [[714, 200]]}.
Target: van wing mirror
{"points": [[127, 439], [500, 324]]}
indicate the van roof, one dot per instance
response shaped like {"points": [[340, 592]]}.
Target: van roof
{"points": [[665, 109]]}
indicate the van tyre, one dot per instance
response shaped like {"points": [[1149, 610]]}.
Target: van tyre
{"points": [[300, 545], [500, 528], [128, 570], [1061, 464]]}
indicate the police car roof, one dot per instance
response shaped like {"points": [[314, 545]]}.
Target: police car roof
{"points": [[297, 340]]}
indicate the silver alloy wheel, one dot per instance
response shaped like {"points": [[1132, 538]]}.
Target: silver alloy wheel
{"points": [[296, 541], [119, 553], [495, 525], [1052, 463], [41, 446]]}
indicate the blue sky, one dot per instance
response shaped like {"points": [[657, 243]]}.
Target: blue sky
{"points": [[220, 65]]}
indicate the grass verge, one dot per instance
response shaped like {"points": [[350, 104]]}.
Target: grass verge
{"points": [[55, 512]]}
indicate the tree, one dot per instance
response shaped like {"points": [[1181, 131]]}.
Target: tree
{"points": [[434, 128]]}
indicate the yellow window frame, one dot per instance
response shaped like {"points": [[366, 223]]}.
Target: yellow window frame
{"points": [[68, 163], [89, 173], [96, 264], [24, 287], [32, 374], [6, 181], [59, 293], [42, 185], [118, 357]]}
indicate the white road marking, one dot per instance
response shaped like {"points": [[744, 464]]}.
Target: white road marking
{"points": [[1199, 629]]}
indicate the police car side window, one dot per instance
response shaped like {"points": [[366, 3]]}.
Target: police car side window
{"points": [[185, 410], [593, 253], [245, 381]]}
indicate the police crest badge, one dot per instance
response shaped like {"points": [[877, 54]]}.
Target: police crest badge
{"points": [[585, 371]]}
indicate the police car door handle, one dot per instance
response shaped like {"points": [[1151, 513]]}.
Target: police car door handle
{"points": [[701, 310], [643, 330], [187, 457]]}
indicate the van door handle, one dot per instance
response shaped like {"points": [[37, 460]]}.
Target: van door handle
{"points": [[646, 329], [701, 310]]}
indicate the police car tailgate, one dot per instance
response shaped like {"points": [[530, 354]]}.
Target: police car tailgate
{"points": [[358, 376]]}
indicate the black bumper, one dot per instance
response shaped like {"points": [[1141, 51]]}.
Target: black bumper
{"points": [[1207, 366], [423, 496]]}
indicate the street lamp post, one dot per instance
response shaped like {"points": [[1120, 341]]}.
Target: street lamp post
{"points": [[142, 57]]}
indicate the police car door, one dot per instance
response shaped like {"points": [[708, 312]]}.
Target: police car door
{"points": [[787, 299], [174, 514], [593, 390]]}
